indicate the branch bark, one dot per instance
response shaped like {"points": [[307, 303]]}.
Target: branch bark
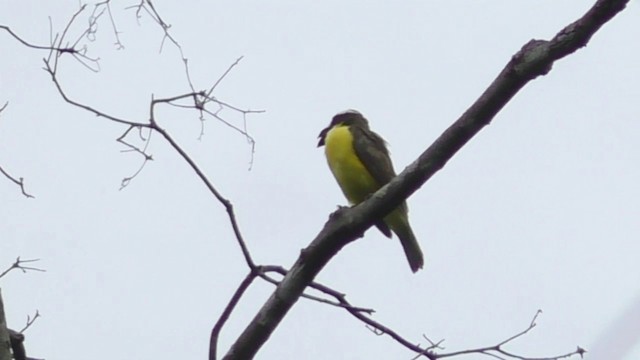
{"points": [[344, 226], [5, 343]]}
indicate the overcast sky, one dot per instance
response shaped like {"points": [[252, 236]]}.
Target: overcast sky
{"points": [[539, 211]]}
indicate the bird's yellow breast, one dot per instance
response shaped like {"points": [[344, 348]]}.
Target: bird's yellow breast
{"points": [[351, 174]]}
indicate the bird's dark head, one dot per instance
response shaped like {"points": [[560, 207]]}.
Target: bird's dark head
{"points": [[346, 118]]}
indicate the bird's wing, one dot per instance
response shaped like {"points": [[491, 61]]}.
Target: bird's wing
{"points": [[373, 154]]}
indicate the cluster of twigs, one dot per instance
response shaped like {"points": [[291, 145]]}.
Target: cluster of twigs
{"points": [[534, 59]]}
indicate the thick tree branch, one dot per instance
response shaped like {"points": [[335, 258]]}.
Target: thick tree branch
{"points": [[11, 341], [5, 343], [345, 225]]}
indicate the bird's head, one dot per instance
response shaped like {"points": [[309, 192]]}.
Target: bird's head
{"points": [[346, 118]]}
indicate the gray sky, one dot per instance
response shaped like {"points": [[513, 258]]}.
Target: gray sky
{"points": [[539, 211]]}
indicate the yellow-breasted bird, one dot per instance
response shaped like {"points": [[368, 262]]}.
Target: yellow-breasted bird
{"points": [[360, 162]]}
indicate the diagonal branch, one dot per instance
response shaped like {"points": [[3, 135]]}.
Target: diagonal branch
{"points": [[225, 202], [226, 313], [344, 226]]}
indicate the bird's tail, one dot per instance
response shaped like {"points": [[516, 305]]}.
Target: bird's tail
{"points": [[399, 224]]}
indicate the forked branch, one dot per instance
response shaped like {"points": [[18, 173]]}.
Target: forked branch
{"points": [[534, 59]]}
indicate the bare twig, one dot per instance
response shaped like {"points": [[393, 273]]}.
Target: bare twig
{"points": [[30, 321], [150, 9], [98, 113], [116, 33], [235, 299], [18, 264], [62, 50], [225, 202], [132, 148], [529, 328], [223, 76], [201, 101], [498, 352], [54, 53], [19, 182], [199, 98], [340, 298], [261, 271]]}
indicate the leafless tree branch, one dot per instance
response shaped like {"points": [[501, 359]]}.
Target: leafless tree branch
{"points": [[223, 76], [30, 321], [148, 7], [340, 298], [498, 352], [199, 99], [346, 225], [18, 264], [261, 271], [107, 4], [19, 182], [235, 299], [61, 50]]}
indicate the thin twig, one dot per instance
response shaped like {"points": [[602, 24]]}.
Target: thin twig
{"points": [[98, 113], [116, 33], [19, 182], [340, 302], [235, 299], [33, 46], [226, 203], [18, 264], [498, 352], [30, 321], [235, 63]]}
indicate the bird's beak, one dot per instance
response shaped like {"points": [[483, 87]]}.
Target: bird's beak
{"points": [[322, 135]]}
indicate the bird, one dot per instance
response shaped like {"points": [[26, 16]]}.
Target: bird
{"points": [[360, 162]]}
